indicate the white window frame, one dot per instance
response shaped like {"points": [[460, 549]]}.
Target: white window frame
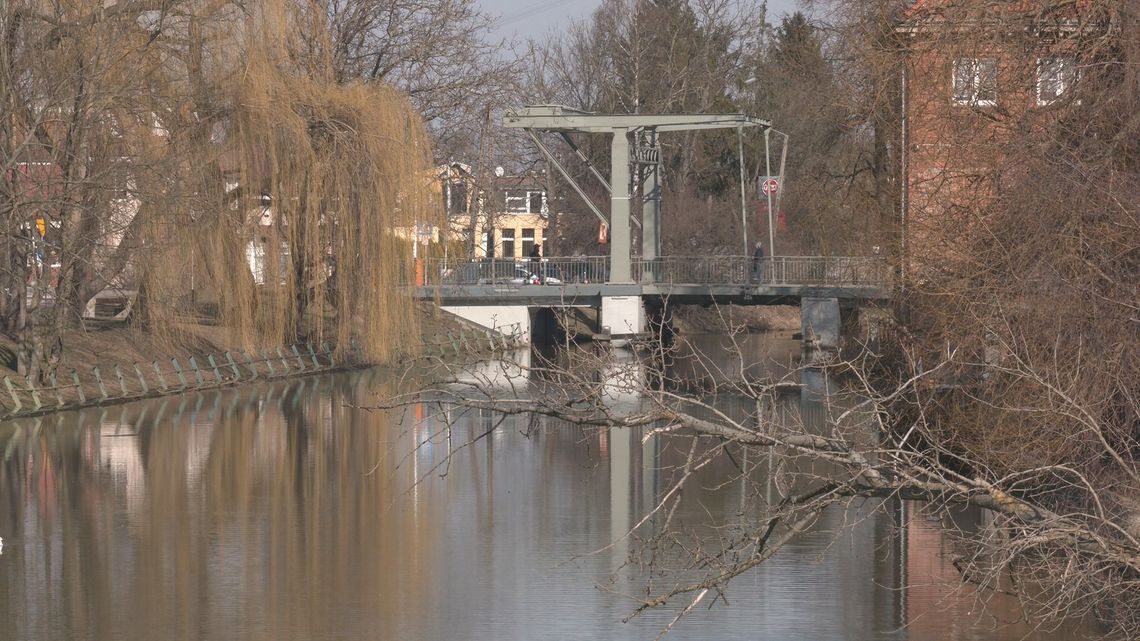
{"points": [[519, 201], [504, 239], [1065, 74], [975, 80], [510, 200]]}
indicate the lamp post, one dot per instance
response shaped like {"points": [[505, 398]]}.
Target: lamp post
{"points": [[768, 192]]}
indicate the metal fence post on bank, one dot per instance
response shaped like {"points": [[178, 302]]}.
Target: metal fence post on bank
{"points": [[197, 372], [233, 366], [99, 380], [78, 387], [15, 397], [178, 371], [158, 373], [142, 380], [214, 366]]}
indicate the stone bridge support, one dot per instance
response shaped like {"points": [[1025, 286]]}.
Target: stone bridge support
{"points": [[623, 316], [509, 320], [820, 322]]}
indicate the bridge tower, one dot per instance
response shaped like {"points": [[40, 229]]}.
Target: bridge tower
{"points": [[634, 143]]}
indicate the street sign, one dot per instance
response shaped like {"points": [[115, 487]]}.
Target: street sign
{"points": [[769, 185]]}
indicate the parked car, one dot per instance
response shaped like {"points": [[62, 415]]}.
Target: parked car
{"points": [[549, 275], [521, 277]]}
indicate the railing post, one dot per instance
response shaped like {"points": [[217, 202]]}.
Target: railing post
{"points": [[142, 381], [158, 373], [197, 372], [233, 366], [122, 381], [35, 394], [15, 397], [214, 365], [252, 365], [300, 361], [268, 363], [78, 388], [284, 363], [99, 380], [55, 388], [178, 371]]}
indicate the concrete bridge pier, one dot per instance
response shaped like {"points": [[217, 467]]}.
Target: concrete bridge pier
{"points": [[509, 320], [623, 317], [820, 323]]}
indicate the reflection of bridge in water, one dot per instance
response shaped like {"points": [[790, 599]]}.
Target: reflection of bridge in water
{"points": [[505, 294]]}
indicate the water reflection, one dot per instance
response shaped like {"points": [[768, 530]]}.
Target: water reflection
{"points": [[287, 512]]}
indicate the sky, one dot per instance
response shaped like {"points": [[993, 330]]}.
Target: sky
{"points": [[526, 18]]}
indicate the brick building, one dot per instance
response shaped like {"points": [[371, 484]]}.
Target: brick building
{"points": [[980, 79]]}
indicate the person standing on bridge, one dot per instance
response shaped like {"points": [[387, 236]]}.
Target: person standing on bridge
{"points": [[758, 263], [536, 261]]}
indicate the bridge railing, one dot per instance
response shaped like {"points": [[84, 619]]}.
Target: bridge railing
{"points": [[694, 270], [680, 270], [514, 271], [861, 271], [778, 270]]}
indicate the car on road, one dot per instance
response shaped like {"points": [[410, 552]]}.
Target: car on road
{"points": [[521, 276], [549, 274]]}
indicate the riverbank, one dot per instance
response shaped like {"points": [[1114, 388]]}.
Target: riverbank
{"points": [[113, 363], [691, 319], [105, 345]]}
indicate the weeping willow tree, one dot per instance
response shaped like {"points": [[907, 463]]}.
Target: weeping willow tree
{"points": [[203, 153], [298, 234]]}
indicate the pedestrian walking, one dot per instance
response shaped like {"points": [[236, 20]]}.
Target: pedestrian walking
{"points": [[758, 263], [536, 261]]}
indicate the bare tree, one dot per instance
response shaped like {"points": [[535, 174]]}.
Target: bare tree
{"points": [[1054, 536], [658, 57], [441, 53]]}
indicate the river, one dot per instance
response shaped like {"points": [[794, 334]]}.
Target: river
{"points": [[292, 511]]}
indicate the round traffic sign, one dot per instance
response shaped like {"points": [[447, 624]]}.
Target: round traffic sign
{"points": [[770, 186]]}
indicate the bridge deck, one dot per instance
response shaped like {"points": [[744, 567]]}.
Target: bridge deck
{"points": [[685, 280]]}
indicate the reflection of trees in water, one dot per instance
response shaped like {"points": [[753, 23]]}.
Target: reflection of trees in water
{"points": [[287, 512], [284, 499]]}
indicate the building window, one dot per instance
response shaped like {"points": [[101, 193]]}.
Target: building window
{"points": [[524, 202], [457, 192], [527, 241], [516, 202], [975, 81], [508, 243], [534, 202], [1055, 76], [488, 245]]}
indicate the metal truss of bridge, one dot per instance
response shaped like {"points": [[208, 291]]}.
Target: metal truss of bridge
{"points": [[634, 144]]}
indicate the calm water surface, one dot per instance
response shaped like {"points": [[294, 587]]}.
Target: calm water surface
{"points": [[284, 512]]}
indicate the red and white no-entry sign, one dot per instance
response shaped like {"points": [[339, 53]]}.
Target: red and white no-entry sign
{"points": [[770, 186]]}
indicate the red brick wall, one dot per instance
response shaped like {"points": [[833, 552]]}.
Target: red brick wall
{"points": [[958, 154]]}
